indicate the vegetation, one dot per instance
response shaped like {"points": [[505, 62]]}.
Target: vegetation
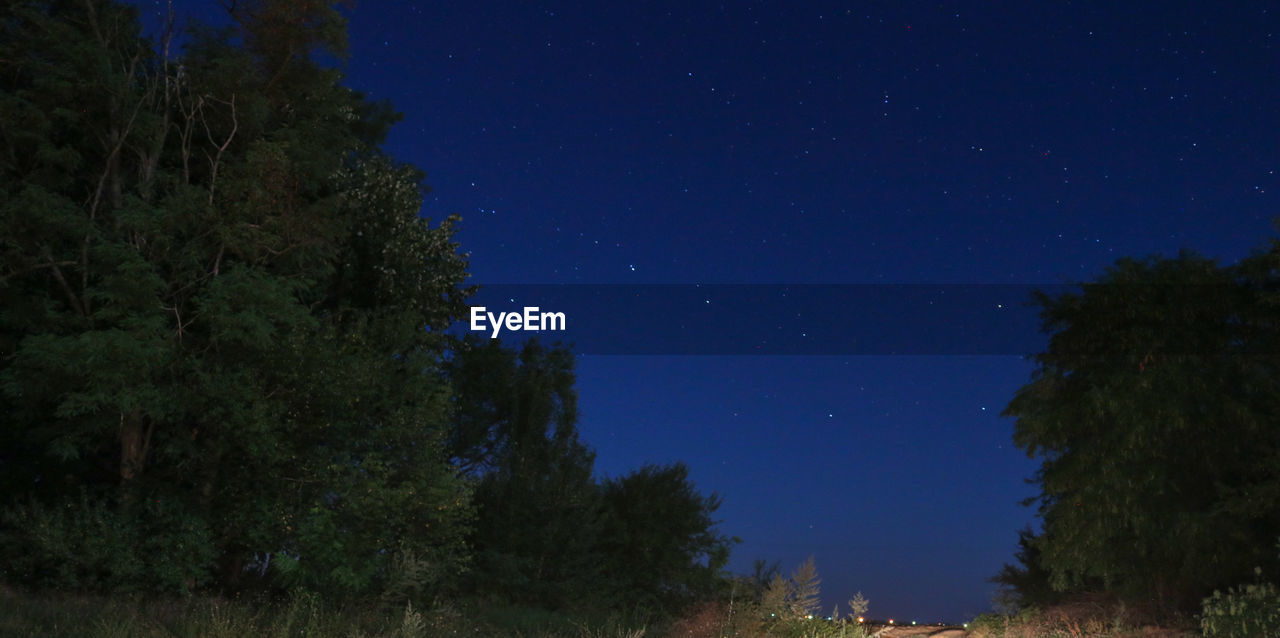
{"points": [[215, 283], [1153, 413], [225, 365], [303, 613], [1250, 610], [1074, 620], [1025, 585], [226, 377], [783, 607], [299, 615], [1245, 610]]}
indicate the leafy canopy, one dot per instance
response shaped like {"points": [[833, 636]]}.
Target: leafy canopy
{"points": [[219, 311], [1153, 413]]}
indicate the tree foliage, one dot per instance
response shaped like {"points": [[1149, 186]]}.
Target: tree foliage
{"points": [[858, 606], [1025, 584], [213, 294], [515, 429], [757, 582], [806, 589], [659, 544], [224, 347], [798, 597], [549, 533], [1153, 411]]}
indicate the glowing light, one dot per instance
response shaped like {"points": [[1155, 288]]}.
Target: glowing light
{"points": [[890, 621], [860, 619]]}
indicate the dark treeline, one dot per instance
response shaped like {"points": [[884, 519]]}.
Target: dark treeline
{"points": [[225, 366], [224, 359], [1156, 413]]}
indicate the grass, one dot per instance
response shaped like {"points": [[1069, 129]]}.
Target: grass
{"points": [[303, 615], [1080, 619]]}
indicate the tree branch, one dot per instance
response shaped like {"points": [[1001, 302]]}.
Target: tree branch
{"points": [[216, 160], [66, 287]]}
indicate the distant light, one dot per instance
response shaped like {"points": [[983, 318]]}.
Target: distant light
{"points": [[913, 622], [890, 621], [860, 619]]}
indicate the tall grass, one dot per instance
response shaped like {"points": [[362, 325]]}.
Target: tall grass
{"points": [[301, 615], [1075, 620]]}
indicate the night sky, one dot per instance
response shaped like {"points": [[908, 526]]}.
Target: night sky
{"points": [[837, 143]]}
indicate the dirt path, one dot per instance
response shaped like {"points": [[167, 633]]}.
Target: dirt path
{"points": [[921, 632]]}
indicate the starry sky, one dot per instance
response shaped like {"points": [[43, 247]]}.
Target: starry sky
{"points": [[887, 143]]}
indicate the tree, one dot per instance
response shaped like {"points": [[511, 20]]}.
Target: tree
{"points": [[659, 544], [792, 606], [761, 576], [547, 532], [1025, 584], [773, 600], [806, 589], [1153, 413], [515, 433], [222, 315], [858, 606], [512, 408]]}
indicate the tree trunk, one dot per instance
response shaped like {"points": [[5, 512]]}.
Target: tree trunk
{"points": [[135, 439]]}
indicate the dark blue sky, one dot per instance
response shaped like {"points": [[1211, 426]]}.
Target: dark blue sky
{"points": [[842, 143]]}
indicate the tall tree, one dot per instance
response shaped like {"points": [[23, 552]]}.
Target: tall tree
{"points": [[1153, 411], [216, 295], [515, 431], [807, 587]]}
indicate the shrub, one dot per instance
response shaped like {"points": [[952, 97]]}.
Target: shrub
{"points": [[1244, 612], [150, 545]]}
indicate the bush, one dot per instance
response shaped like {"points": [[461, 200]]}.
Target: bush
{"points": [[1245, 612], [153, 545], [1065, 620]]}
